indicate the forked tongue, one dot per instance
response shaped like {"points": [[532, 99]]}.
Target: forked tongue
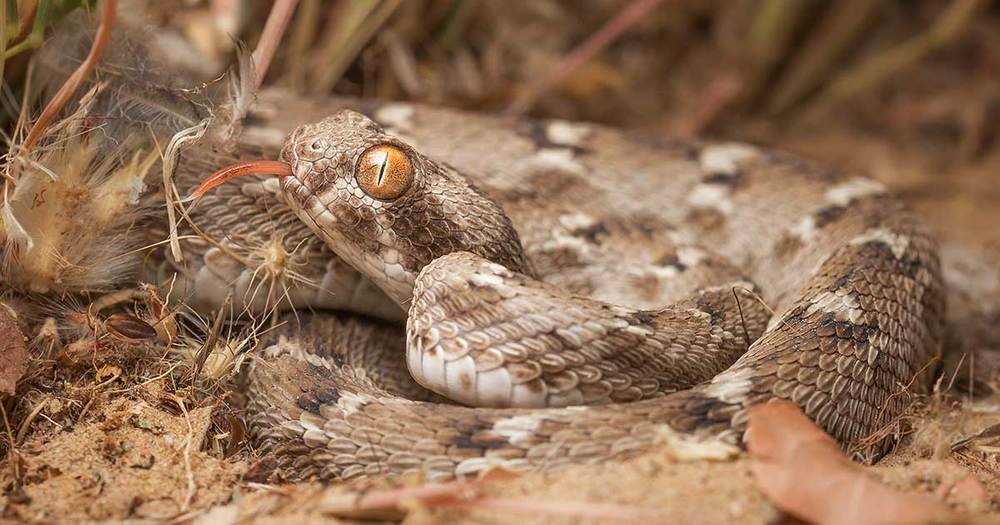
{"points": [[256, 167]]}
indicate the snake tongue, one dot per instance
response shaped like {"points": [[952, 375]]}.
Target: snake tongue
{"points": [[257, 167]]}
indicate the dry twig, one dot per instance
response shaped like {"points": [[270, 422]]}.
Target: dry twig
{"points": [[274, 29], [583, 53], [75, 80]]}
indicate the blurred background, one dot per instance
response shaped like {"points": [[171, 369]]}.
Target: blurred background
{"points": [[905, 90], [923, 71]]}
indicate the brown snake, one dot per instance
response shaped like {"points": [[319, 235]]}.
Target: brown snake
{"points": [[605, 285]]}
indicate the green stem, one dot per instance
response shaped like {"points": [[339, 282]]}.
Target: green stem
{"points": [[37, 36]]}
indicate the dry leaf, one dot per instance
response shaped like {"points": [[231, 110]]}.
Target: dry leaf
{"points": [[803, 472], [13, 352], [164, 320], [129, 328]]}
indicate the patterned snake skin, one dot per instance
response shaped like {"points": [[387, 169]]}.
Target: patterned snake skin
{"points": [[574, 290]]}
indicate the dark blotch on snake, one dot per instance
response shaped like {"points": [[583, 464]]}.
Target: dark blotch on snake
{"points": [[639, 318], [592, 232], [672, 261], [476, 436], [536, 130], [310, 402], [731, 180], [828, 215]]}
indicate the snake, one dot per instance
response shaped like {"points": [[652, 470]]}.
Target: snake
{"points": [[530, 294]]}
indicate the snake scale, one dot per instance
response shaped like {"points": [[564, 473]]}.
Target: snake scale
{"points": [[569, 290]]}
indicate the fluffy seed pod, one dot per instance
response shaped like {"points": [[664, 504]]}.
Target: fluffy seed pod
{"points": [[68, 221]]}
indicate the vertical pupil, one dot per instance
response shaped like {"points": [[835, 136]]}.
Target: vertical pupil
{"points": [[381, 158]]}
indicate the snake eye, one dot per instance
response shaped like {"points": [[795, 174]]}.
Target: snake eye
{"points": [[384, 172]]}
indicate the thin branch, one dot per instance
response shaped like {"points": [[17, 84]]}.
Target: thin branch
{"points": [[597, 42], [274, 29], [75, 80]]}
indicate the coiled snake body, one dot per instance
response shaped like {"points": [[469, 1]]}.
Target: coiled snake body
{"points": [[573, 289]]}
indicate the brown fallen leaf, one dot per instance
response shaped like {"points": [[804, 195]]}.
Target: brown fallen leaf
{"points": [[13, 352], [803, 471]]}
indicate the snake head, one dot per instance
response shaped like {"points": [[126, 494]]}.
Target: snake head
{"points": [[385, 208]]}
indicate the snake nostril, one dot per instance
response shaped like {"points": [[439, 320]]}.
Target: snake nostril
{"points": [[318, 146]]}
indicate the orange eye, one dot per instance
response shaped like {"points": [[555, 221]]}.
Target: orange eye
{"points": [[384, 172]]}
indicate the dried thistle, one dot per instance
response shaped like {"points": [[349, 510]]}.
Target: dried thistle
{"points": [[68, 222], [219, 357]]}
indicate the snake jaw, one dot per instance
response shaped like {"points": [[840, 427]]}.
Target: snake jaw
{"points": [[256, 167]]}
